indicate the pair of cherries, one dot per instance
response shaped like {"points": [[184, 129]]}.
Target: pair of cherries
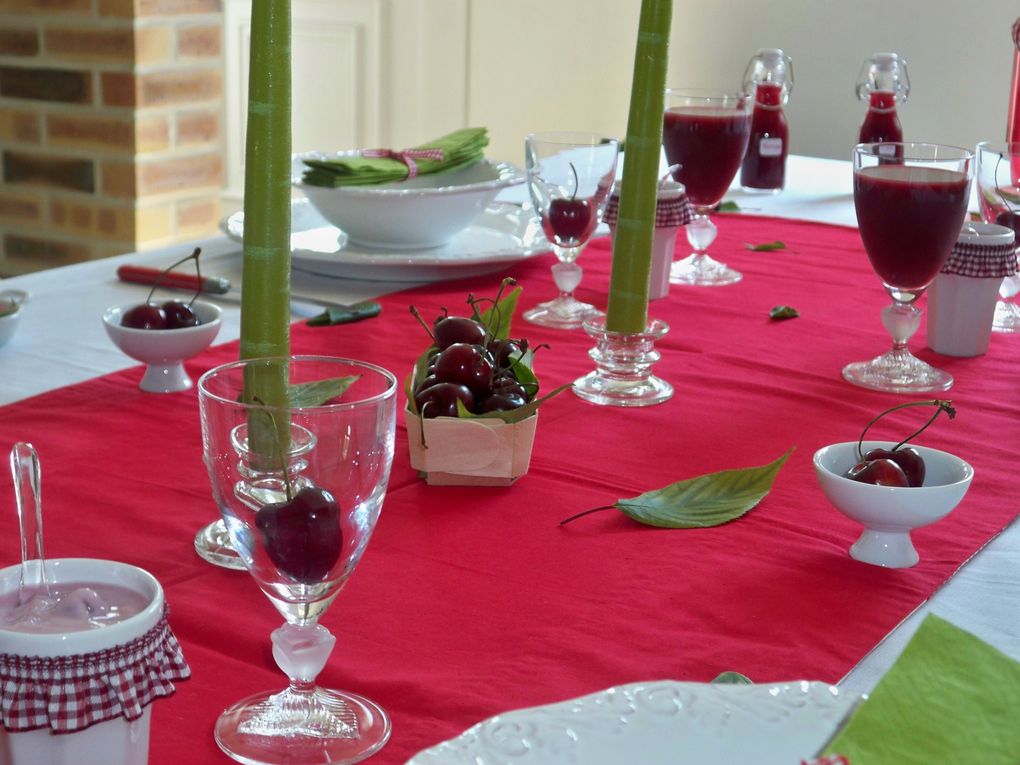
{"points": [[172, 314], [901, 466]]}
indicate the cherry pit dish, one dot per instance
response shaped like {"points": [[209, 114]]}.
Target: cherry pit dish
{"points": [[891, 489]]}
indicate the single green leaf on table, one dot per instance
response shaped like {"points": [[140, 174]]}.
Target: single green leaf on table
{"points": [[318, 392], [728, 206], [708, 500], [732, 678], [781, 312], [766, 247], [345, 314]]}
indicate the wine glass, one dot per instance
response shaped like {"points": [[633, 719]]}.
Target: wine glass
{"points": [[911, 206], [704, 134], [570, 176], [998, 180], [300, 487]]}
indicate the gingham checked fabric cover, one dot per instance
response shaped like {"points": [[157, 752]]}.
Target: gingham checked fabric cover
{"points": [[671, 211], [981, 260], [70, 693]]}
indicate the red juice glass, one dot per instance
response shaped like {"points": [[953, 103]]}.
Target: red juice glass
{"points": [[704, 134], [911, 204]]}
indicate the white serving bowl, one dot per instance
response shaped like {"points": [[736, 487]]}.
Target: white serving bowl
{"points": [[164, 351], [425, 211], [888, 513], [9, 323]]}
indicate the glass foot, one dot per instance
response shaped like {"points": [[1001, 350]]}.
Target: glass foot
{"points": [[302, 728], [561, 313], [1007, 317], [212, 543], [897, 372], [702, 271]]}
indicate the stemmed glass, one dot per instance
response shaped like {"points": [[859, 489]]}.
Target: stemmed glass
{"points": [[911, 206], [998, 180], [300, 488], [570, 176], [704, 133]]}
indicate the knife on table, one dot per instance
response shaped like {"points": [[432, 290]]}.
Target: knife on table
{"points": [[218, 288]]}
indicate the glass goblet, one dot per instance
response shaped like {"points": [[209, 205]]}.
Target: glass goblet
{"points": [[704, 133], [911, 206], [300, 488], [998, 181], [570, 176]]}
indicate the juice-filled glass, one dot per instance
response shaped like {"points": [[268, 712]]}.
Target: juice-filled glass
{"points": [[704, 134], [769, 76], [911, 204]]}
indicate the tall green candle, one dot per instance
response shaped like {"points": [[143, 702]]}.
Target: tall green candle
{"points": [[635, 225], [265, 281]]}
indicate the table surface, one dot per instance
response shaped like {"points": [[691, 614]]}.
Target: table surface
{"points": [[61, 341]]}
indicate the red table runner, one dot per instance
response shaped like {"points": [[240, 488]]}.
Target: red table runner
{"points": [[472, 601]]}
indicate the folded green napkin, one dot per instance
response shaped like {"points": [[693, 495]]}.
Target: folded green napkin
{"points": [[950, 698], [459, 148]]}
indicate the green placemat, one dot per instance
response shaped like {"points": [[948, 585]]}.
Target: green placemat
{"points": [[949, 699], [460, 148]]}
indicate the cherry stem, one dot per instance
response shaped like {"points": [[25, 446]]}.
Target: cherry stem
{"points": [[159, 279], [577, 183], [565, 521], [943, 406], [288, 490], [415, 314]]}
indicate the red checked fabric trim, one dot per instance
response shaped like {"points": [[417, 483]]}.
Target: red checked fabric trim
{"points": [[981, 261], [673, 212], [71, 693]]}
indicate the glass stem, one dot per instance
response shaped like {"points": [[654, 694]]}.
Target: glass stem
{"points": [[901, 321], [567, 276], [701, 232]]}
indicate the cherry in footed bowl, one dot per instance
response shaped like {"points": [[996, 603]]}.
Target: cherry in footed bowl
{"points": [[889, 513], [163, 351]]}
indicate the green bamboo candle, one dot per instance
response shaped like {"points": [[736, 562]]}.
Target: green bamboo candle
{"points": [[635, 226], [265, 281]]}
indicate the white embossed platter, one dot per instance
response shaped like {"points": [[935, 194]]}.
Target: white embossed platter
{"points": [[503, 234], [658, 723]]}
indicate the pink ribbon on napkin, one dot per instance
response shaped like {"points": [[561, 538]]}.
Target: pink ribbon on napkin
{"points": [[407, 156]]}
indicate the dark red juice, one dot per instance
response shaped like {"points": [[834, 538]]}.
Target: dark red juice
{"points": [[708, 143], [909, 219], [881, 123], [764, 165]]}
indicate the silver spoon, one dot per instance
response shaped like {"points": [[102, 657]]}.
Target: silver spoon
{"points": [[27, 484]]}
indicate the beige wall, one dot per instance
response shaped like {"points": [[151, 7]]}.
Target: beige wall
{"points": [[548, 64]]}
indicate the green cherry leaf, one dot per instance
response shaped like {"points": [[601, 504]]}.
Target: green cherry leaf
{"points": [[728, 206], [732, 678], [781, 312], [707, 500], [345, 314], [766, 247], [499, 317], [319, 392]]}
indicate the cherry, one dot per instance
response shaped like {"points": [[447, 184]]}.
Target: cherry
{"points": [[501, 402], [880, 472], [440, 400], [179, 315], [426, 382], [302, 536], [569, 219], [909, 459], [508, 385], [504, 351], [144, 316], [1009, 219], [448, 330], [464, 364]]}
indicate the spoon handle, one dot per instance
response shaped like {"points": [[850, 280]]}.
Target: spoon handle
{"points": [[27, 485]]}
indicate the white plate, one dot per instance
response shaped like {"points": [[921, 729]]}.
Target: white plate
{"points": [[658, 723], [503, 234]]}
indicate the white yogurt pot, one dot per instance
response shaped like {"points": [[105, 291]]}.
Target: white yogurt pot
{"points": [[113, 742]]}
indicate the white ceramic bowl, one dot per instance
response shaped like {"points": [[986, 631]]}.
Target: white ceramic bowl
{"points": [[112, 742], [426, 211], [164, 350], [9, 323], [888, 513]]}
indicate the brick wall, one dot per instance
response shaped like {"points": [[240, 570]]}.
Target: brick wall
{"points": [[110, 126]]}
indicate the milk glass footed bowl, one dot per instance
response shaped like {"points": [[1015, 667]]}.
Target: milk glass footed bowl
{"points": [[164, 351], [889, 513]]}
